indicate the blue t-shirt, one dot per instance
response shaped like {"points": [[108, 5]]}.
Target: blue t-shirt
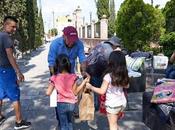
{"points": [[5, 42], [58, 47]]}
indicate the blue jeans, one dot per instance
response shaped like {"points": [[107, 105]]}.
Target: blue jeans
{"points": [[65, 115], [170, 72]]}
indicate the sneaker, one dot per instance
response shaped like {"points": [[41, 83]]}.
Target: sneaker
{"points": [[92, 124], [2, 119], [23, 124]]}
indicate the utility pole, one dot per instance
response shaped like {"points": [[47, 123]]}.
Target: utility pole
{"points": [[95, 1], [90, 13], [40, 5], [152, 2], [53, 19], [83, 20]]}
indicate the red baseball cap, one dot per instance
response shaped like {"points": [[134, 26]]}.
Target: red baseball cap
{"points": [[71, 33]]}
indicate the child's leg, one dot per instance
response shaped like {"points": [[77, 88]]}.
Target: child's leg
{"points": [[70, 119], [62, 117], [112, 119]]}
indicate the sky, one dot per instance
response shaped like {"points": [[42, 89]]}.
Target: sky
{"points": [[66, 7]]}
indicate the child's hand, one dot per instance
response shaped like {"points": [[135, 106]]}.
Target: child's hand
{"points": [[88, 86], [87, 79]]}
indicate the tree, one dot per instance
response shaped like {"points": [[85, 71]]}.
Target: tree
{"points": [[41, 23], [26, 12], [53, 32], [102, 8], [31, 23], [38, 37], [169, 13], [167, 40], [168, 43], [138, 24], [111, 23], [16, 8]]}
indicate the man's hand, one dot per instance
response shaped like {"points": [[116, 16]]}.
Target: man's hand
{"points": [[20, 76], [172, 58], [88, 86], [51, 70], [83, 68]]}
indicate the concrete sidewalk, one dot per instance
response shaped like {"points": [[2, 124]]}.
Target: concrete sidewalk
{"points": [[35, 104]]}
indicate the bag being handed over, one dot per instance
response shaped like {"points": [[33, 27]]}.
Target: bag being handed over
{"points": [[86, 106]]}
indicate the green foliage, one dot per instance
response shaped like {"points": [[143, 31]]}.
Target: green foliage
{"points": [[102, 8], [111, 28], [26, 12], [138, 24], [31, 24], [111, 23], [169, 13], [155, 51], [41, 24], [16, 8], [37, 25], [168, 43], [53, 32]]}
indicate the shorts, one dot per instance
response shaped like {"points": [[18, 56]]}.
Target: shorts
{"points": [[115, 110], [8, 84]]}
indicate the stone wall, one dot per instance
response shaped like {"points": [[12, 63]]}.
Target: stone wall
{"points": [[91, 42]]}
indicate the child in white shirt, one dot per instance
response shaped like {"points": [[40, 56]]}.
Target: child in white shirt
{"points": [[115, 79]]}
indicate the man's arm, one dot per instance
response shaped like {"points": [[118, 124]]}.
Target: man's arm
{"points": [[82, 59], [12, 61], [172, 58], [51, 58]]}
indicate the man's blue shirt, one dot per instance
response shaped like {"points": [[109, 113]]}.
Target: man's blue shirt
{"points": [[58, 47]]}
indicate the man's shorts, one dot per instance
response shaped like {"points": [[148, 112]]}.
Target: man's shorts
{"points": [[8, 84]]}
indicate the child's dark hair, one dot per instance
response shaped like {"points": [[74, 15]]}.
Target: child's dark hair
{"points": [[118, 69], [63, 63]]}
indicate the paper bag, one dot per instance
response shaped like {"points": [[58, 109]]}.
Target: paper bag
{"points": [[53, 98], [86, 106]]}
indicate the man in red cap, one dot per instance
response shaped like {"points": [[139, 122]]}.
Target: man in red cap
{"points": [[70, 45], [70, 35]]}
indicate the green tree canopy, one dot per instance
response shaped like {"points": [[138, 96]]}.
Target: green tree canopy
{"points": [[53, 32], [102, 8], [27, 14], [138, 23], [111, 23], [168, 43], [169, 13]]}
